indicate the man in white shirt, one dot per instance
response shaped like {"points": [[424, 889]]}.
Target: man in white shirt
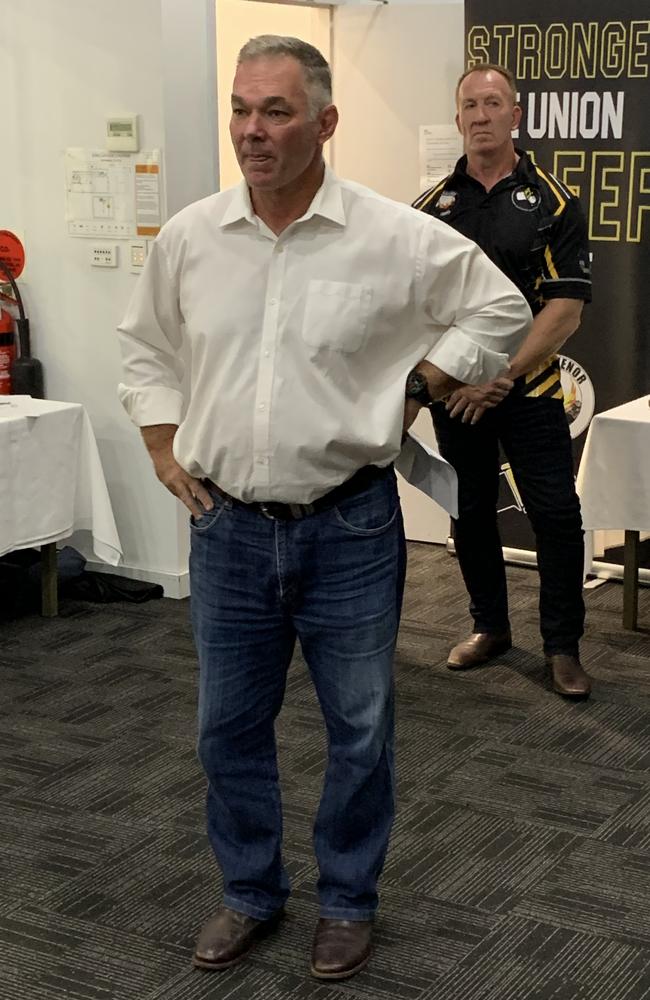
{"points": [[310, 307]]}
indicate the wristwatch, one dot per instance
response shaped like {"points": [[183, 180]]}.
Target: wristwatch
{"points": [[417, 388]]}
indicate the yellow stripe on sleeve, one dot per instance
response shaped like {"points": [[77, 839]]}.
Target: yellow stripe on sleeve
{"points": [[554, 189], [549, 263]]}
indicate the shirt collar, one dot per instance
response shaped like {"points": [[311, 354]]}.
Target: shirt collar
{"points": [[327, 202], [524, 170], [240, 206]]}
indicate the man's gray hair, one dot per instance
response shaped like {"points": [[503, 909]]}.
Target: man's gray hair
{"points": [[318, 76], [485, 68]]}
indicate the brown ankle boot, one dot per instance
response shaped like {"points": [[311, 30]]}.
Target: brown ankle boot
{"points": [[478, 648], [341, 948], [229, 936], [569, 678]]}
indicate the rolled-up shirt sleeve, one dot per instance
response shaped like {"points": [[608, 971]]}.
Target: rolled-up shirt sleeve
{"points": [[482, 315], [150, 338]]}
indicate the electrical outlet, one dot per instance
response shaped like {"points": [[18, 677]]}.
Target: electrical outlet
{"points": [[103, 255]]}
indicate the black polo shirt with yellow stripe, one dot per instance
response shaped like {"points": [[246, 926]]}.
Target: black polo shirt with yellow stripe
{"points": [[533, 229]]}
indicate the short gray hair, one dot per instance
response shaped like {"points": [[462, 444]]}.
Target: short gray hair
{"points": [[318, 76], [486, 68]]}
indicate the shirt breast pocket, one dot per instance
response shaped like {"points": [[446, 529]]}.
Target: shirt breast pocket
{"points": [[336, 315]]}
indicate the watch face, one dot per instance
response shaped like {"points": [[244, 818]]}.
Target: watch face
{"points": [[417, 387], [414, 383]]}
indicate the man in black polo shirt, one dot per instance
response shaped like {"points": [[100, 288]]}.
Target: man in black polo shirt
{"points": [[534, 230]]}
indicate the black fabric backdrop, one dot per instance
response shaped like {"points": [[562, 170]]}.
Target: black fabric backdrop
{"points": [[582, 72]]}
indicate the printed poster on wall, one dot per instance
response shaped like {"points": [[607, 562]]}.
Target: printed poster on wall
{"points": [[583, 77], [112, 195]]}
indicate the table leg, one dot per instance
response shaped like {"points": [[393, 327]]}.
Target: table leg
{"points": [[49, 589], [630, 579]]}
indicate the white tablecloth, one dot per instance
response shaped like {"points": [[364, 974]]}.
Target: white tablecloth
{"points": [[614, 475], [51, 479]]}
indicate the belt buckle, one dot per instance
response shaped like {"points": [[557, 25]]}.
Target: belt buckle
{"points": [[294, 511]]}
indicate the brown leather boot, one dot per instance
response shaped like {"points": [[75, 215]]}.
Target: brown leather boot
{"points": [[478, 648], [569, 678], [341, 948], [229, 936]]}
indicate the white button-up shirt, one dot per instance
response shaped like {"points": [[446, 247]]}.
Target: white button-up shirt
{"points": [[299, 344]]}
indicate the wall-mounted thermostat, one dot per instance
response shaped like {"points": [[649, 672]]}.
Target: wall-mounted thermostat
{"points": [[122, 133]]}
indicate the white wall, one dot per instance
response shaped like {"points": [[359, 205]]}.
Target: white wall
{"points": [[189, 82], [63, 68], [395, 68]]}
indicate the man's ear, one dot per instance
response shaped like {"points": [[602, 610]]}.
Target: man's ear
{"points": [[327, 122], [457, 120], [516, 116]]}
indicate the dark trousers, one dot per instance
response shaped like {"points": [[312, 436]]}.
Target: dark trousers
{"points": [[535, 436]]}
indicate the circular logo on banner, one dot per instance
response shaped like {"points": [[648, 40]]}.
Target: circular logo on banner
{"points": [[579, 396], [12, 254], [526, 198]]}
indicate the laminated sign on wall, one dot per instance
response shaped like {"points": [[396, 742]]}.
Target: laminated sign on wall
{"points": [[440, 147], [112, 194]]}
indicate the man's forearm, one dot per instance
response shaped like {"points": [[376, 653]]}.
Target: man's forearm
{"points": [[158, 437], [159, 440], [439, 385], [551, 328]]}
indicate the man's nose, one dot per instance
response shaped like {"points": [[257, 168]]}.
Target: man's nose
{"points": [[254, 124]]}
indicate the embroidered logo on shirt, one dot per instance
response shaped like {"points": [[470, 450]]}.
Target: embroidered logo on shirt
{"points": [[446, 201], [526, 198]]}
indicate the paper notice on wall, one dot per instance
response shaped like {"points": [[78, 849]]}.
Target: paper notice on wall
{"points": [[440, 148], [114, 195], [147, 199]]}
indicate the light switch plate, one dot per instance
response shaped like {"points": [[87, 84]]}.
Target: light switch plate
{"points": [[137, 255]]}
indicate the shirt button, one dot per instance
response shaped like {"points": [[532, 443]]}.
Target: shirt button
{"points": [[280, 249], [267, 354], [261, 406], [273, 302]]}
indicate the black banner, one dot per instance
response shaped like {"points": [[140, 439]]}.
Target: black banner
{"points": [[582, 72]]}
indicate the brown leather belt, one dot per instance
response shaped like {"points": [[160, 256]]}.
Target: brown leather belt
{"points": [[295, 511]]}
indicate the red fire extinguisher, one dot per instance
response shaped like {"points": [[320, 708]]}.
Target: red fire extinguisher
{"points": [[7, 351]]}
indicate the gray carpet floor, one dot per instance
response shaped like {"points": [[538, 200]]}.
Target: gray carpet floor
{"points": [[520, 861]]}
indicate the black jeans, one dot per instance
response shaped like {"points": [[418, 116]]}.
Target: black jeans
{"points": [[535, 436]]}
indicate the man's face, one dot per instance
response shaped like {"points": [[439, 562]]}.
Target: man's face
{"points": [[486, 112], [274, 137]]}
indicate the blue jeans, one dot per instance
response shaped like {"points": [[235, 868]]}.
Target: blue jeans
{"points": [[535, 436], [334, 579]]}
